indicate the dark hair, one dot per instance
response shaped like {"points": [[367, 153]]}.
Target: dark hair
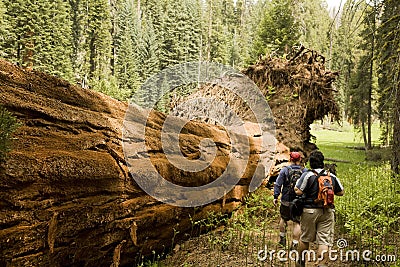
{"points": [[316, 160]]}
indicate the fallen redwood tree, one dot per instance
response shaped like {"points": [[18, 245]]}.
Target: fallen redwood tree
{"points": [[67, 196]]}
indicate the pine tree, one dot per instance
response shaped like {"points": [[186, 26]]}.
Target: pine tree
{"points": [[346, 52], [278, 30], [22, 17], [79, 17], [39, 36], [389, 95], [99, 41], [314, 24], [366, 74], [53, 42], [243, 33], [257, 11], [219, 30], [92, 46], [181, 42], [126, 31], [147, 50]]}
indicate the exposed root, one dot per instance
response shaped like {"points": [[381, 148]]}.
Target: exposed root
{"points": [[117, 254], [52, 232], [132, 232]]}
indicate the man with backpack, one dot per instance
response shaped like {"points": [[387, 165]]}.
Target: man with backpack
{"points": [[318, 188], [284, 185]]}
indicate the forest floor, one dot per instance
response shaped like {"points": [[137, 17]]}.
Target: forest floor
{"points": [[253, 229]]}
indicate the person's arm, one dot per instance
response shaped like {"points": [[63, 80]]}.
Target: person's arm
{"points": [[301, 184], [341, 193], [278, 185], [298, 191], [338, 187]]}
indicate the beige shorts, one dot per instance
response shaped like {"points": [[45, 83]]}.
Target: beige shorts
{"points": [[317, 225]]}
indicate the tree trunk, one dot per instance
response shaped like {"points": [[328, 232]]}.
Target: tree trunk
{"points": [[67, 197], [364, 134], [371, 75], [396, 131], [114, 14]]}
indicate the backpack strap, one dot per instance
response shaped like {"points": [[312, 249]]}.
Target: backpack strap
{"points": [[289, 168], [316, 176]]}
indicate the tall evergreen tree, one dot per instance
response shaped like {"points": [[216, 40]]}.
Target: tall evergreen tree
{"points": [[278, 30], [79, 17], [244, 32], [389, 81], [181, 28], [217, 37], [147, 49], [126, 67], [257, 11], [314, 24], [39, 35], [92, 43], [53, 43], [154, 13], [364, 81], [18, 45], [99, 40], [346, 52]]}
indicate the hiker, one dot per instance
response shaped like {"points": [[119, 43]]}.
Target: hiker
{"points": [[284, 185], [317, 219]]}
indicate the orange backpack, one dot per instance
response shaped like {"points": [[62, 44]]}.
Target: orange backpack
{"points": [[325, 192]]}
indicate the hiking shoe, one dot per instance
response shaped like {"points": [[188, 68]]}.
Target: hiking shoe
{"points": [[300, 263], [282, 242]]}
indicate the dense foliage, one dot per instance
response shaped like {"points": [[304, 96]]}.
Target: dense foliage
{"points": [[114, 46]]}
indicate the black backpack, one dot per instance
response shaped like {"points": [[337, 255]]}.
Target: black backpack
{"points": [[293, 176]]}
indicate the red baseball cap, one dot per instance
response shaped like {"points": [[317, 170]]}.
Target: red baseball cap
{"points": [[295, 156]]}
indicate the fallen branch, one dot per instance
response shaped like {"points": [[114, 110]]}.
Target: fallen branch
{"points": [[356, 147], [337, 160]]}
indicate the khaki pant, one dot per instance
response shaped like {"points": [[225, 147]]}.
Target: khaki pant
{"points": [[317, 225]]}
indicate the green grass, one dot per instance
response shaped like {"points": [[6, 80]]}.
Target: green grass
{"points": [[341, 143]]}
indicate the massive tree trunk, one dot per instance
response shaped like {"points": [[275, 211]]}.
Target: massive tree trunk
{"points": [[67, 197]]}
